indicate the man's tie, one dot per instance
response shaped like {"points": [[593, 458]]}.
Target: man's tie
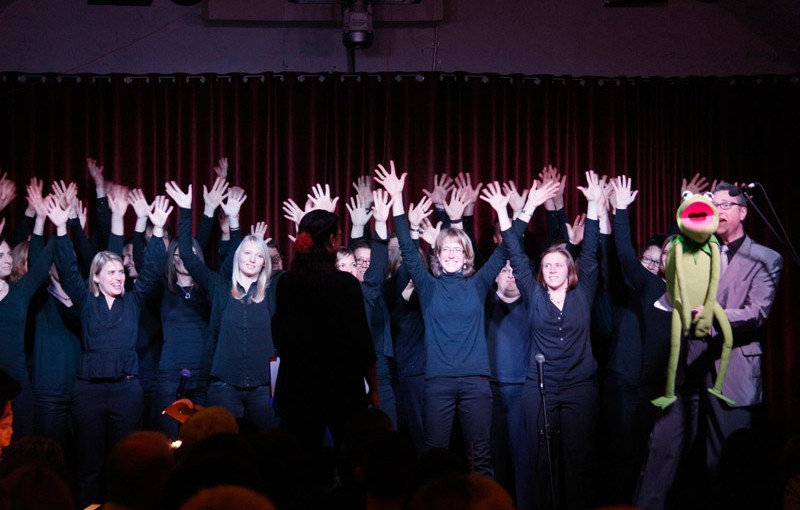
{"points": [[723, 259]]}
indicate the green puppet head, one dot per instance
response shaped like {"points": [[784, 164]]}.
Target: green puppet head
{"points": [[697, 217]]}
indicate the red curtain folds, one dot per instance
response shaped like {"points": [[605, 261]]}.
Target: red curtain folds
{"points": [[284, 132]]}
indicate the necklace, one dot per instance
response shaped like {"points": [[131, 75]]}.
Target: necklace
{"points": [[187, 291], [556, 301]]}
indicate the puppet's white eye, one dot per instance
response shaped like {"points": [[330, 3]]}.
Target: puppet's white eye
{"points": [[709, 195], [686, 195]]}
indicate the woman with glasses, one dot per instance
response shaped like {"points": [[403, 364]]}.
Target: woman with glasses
{"points": [[371, 259], [452, 300]]}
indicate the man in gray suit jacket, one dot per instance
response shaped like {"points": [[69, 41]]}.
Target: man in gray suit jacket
{"points": [[748, 284], [746, 292]]}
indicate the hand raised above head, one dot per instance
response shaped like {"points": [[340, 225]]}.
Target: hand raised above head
{"points": [[442, 184], [420, 212], [389, 180], [320, 198], [359, 214], [139, 203], [623, 195], [592, 191], [160, 211], [494, 196], [697, 184], [292, 211], [382, 203], [259, 230], [57, 214], [181, 199]]}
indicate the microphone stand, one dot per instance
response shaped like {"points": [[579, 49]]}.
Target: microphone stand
{"points": [[547, 434]]}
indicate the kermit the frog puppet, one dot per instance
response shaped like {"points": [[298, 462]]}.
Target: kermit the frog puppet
{"points": [[693, 271]]}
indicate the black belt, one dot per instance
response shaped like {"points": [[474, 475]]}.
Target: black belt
{"points": [[122, 378]]}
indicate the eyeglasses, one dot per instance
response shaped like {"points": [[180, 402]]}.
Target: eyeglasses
{"points": [[362, 261], [455, 250], [725, 205], [650, 262]]}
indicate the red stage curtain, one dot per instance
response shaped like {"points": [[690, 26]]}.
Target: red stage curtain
{"points": [[284, 132]]}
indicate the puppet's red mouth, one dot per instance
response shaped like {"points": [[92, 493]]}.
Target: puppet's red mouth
{"points": [[698, 215]]}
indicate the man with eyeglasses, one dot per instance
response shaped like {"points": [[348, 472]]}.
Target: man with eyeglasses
{"points": [[747, 289]]}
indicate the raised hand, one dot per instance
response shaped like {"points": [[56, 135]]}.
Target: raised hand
{"points": [[321, 198], [382, 203], [576, 229], [551, 173], [541, 193], [363, 187], [420, 212], [389, 180], [213, 197], [359, 215], [470, 194], [442, 184], [623, 196], [292, 211], [515, 200], [36, 202], [428, 232], [159, 212], [455, 207], [493, 195], [259, 230], [64, 192], [139, 203], [592, 191], [696, 185], [221, 170], [181, 199], [77, 209], [8, 191], [96, 172], [118, 200], [57, 214], [604, 204], [233, 204], [35, 187]]}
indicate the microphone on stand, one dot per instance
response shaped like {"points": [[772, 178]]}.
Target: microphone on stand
{"points": [[539, 358], [181, 393], [741, 188], [545, 434]]}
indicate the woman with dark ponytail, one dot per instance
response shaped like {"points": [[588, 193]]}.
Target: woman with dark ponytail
{"points": [[323, 339]]}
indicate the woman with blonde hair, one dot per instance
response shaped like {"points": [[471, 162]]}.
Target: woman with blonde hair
{"points": [[108, 399], [242, 298]]}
